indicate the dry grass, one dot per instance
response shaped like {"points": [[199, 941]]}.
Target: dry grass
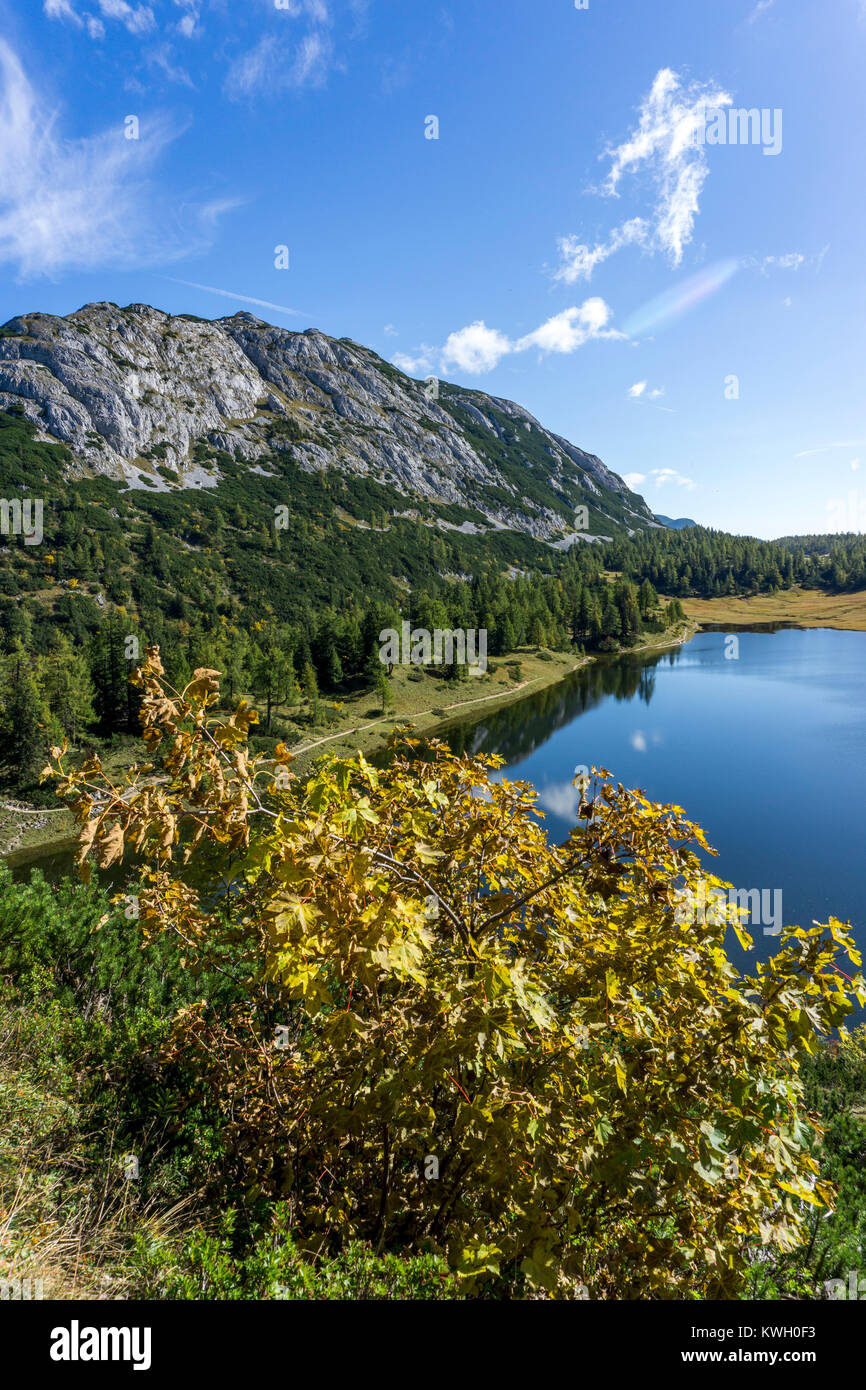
{"points": [[66, 1218], [805, 607]]}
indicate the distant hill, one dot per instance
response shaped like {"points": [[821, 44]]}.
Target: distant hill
{"points": [[679, 525]]}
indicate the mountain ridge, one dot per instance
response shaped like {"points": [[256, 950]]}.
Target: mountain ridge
{"points": [[157, 399]]}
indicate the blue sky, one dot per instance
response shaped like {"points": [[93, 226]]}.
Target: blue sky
{"points": [[692, 313]]}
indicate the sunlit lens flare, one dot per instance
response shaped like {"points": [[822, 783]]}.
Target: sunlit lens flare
{"points": [[676, 302]]}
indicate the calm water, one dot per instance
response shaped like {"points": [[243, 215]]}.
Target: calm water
{"points": [[767, 752]]}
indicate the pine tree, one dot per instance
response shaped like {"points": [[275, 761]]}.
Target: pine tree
{"points": [[68, 688], [24, 721], [309, 684]]}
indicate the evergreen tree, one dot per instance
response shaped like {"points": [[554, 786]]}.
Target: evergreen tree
{"points": [[24, 722]]}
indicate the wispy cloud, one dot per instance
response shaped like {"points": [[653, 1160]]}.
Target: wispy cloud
{"points": [[266, 69], [61, 9], [662, 476], [138, 19], [187, 25], [639, 392], [241, 298], [790, 260], [658, 477], [578, 261], [417, 363], [161, 58], [825, 448], [78, 203], [662, 149], [263, 70], [761, 8]]}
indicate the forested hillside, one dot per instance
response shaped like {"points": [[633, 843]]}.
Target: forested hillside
{"points": [[291, 612]]}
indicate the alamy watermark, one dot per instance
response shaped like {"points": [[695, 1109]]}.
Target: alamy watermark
{"points": [[18, 1290], [77, 1343], [714, 906], [855, 1289], [734, 125], [19, 518], [418, 647]]}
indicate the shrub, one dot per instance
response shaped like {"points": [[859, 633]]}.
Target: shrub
{"points": [[267, 1264], [458, 1038]]}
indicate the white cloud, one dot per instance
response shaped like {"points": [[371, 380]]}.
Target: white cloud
{"points": [[638, 741], [570, 329], [421, 364], [855, 464], [663, 476], [658, 477], [82, 202], [476, 348], [761, 8], [639, 392], [390, 331], [662, 149]]}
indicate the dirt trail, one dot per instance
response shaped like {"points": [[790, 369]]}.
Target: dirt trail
{"points": [[417, 714]]}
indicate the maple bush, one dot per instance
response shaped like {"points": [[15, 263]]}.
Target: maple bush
{"points": [[448, 1035]]}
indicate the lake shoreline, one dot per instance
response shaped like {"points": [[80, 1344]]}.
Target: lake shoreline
{"points": [[845, 612], [430, 723]]}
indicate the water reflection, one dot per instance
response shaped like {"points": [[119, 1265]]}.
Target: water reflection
{"points": [[517, 730]]}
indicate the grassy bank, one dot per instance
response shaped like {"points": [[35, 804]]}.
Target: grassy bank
{"points": [[803, 607]]}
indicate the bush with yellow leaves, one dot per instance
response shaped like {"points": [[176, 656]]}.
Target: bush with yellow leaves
{"points": [[451, 1035]]}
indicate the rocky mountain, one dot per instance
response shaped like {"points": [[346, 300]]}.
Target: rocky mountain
{"points": [[160, 402]]}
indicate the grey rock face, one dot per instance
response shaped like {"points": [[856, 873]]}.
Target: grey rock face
{"points": [[124, 388]]}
